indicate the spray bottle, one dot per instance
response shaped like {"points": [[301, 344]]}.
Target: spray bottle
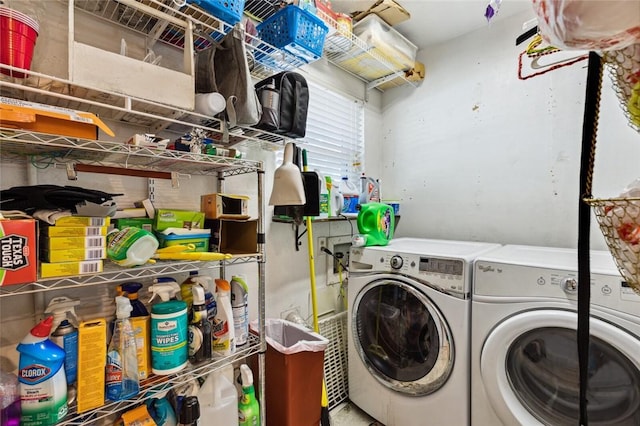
{"points": [[169, 331], [223, 334], [200, 329], [240, 308], [189, 412], [43, 385], [65, 333], [122, 356], [140, 321], [131, 289], [248, 407]]}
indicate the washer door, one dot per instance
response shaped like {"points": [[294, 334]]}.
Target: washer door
{"points": [[402, 337], [529, 367]]}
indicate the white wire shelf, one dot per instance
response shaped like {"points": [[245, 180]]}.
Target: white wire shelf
{"points": [[156, 384], [47, 149], [114, 273]]}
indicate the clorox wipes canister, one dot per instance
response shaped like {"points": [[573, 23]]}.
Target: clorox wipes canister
{"points": [[376, 223], [43, 385]]}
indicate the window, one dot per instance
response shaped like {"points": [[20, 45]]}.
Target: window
{"points": [[334, 137]]}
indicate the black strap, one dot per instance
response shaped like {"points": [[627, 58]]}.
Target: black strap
{"points": [[589, 130]]}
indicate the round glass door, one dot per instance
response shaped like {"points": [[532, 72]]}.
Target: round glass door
{"points": [[529, 367], [542, 368], [402, 337]]}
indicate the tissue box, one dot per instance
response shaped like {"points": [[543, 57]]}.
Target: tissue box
{"points": [[18, 263]]}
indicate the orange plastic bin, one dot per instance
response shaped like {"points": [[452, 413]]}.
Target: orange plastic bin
{"points": [[294, 364]]}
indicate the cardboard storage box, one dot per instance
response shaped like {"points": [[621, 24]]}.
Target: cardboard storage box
{"points": [[18, 263], [390, 11], [225, 206], [172, 218], [18, 114], [233, 236]]}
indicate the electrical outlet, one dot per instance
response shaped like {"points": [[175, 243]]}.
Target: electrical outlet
{"points": [[322, 243]]}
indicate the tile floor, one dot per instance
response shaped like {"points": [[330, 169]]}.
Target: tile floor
{"points": [[347, 414]]}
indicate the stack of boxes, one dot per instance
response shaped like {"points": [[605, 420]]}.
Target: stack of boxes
{"points": [[75, 245]]}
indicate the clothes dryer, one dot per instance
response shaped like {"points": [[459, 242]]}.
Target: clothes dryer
{"points": [[408, 330], [524, 353]]}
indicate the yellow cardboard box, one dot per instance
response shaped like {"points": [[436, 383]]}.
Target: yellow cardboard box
{"points": [[390, 11], [65, 269], [19, 114]]}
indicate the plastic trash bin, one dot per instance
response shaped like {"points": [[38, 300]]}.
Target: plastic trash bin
{"points": [[294, 364]]}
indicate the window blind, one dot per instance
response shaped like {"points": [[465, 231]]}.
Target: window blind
{"points": [[334, 138]]}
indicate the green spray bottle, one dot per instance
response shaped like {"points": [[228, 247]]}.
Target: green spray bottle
{"points": [[248, 407]]}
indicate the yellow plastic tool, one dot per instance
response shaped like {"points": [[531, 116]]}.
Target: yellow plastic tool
{"points": [[185, 252]]}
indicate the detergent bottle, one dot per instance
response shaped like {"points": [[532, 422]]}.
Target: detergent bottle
{"points": [[350, 196], [169, 328], [223, 333], [199, 329], [218, 401], [65, 333], [376, 223], [122, 356], [43, 385], [369, 190], [248, 407]]}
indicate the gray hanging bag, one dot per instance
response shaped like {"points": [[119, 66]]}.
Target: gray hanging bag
{"points": [[224, 68]]}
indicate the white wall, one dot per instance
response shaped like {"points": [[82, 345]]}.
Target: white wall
{"points": [[477, 154]]}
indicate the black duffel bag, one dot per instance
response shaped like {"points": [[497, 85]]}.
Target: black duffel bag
{"points": [[285, 102]]}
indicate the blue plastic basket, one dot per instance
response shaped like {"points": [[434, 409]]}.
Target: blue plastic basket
{"points": [[230, 11], [297, 31]]}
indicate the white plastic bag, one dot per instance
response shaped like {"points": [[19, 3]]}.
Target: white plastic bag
{"points": [[588, 24], [289, 338]]}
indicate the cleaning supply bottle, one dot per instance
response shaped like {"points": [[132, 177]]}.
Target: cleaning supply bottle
{"points": [[141, 322], [248, 407], [376, 223], [131, 246], [122, 356], [43, 385], [65, 333], [218, 401], [369, 190], [199, 329], [223, 333], [162, 412], [324, 196], [10, 399], [130, 290], [186, 293], [189, 411], [240, 308], [350, 196], [169, 328]]}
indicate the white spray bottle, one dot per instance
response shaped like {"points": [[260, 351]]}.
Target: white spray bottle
{"points": [[223, 333], [65, 333]]}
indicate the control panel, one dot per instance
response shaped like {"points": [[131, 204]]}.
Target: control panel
{"points": [[500, 280], [444, 273]]}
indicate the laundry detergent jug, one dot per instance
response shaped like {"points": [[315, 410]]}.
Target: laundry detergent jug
{"points": [[376, 223]]}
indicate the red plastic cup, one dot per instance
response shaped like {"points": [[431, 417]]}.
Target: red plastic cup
{"points": [[18, 34]]}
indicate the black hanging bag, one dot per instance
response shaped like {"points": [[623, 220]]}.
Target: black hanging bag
{"points": [[285, 102]]}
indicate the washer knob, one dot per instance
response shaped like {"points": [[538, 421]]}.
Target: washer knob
{"points": [[396, 262], [569, 285]]}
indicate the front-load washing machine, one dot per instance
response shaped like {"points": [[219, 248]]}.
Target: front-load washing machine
{"points": [[524, 351], [408, 330]]}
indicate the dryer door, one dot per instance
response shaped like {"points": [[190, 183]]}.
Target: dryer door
{"points": [[529, 367], [402, 337]]}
